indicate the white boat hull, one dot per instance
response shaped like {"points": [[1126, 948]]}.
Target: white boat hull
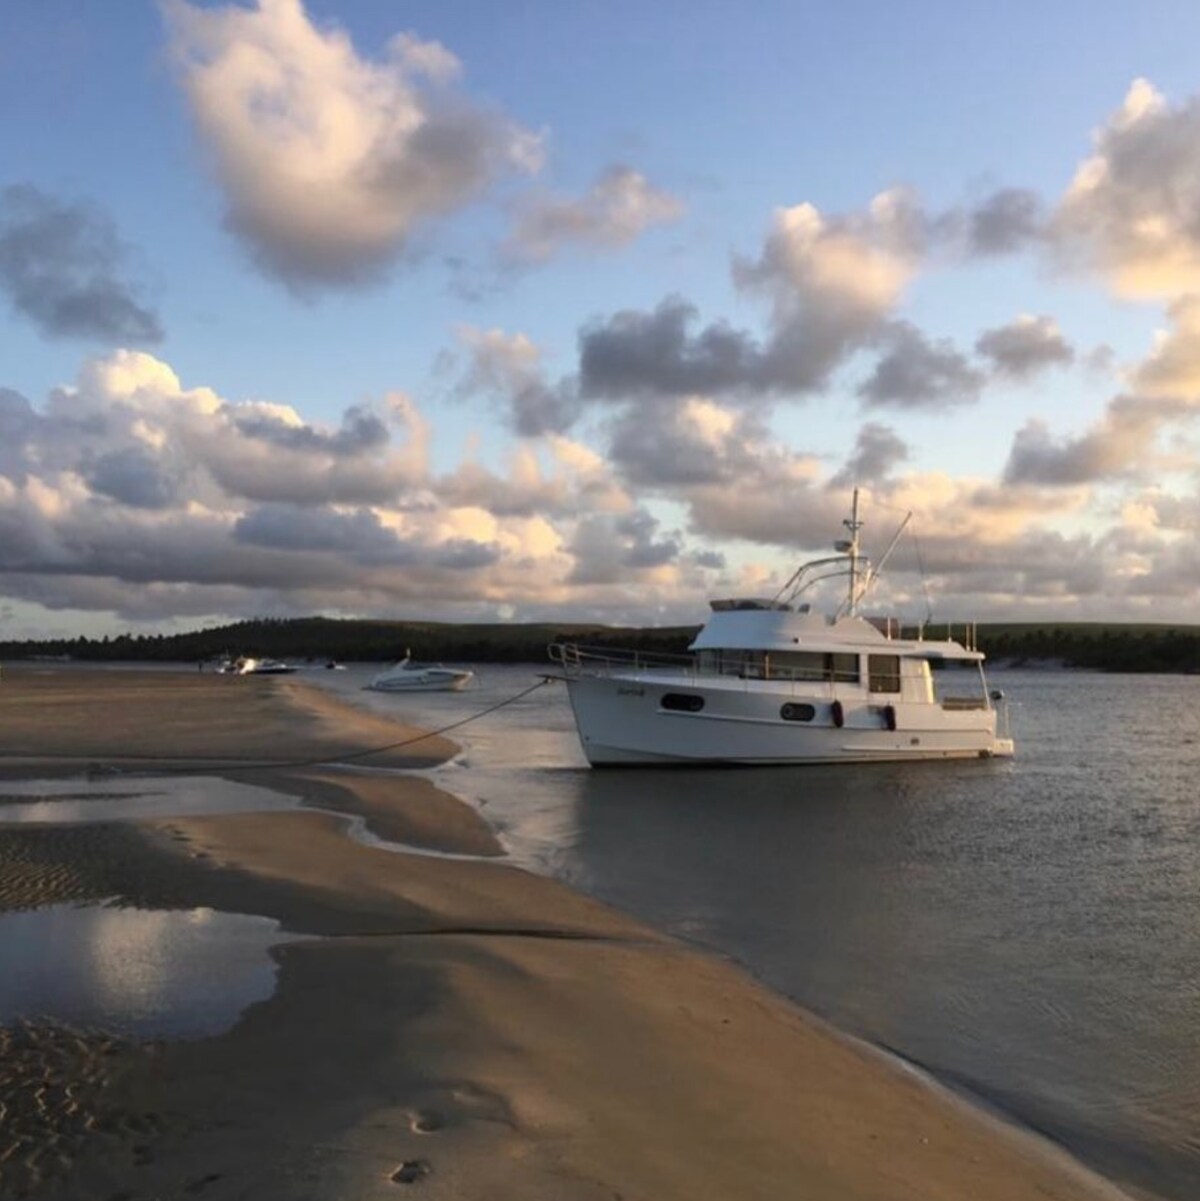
{"points": [[416, 680], [456, 685], [621, 721]]}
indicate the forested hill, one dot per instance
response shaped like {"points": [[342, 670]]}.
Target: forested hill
{"points": [[322, 639], [1105, 647]]}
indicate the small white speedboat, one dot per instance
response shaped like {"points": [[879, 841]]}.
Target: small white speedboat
{"points": [[246, 666], [407, 676]]}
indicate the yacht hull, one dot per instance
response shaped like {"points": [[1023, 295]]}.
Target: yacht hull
{"points": [[622, 721]]}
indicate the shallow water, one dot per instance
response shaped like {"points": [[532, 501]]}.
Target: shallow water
{"points": [[134, 972], [1027, 930]]}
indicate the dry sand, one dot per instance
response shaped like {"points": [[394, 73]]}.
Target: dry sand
{"points": [[458, 1028]]}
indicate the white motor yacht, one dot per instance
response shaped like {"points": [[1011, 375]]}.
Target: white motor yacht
{"points": [[771, 681], [407, 676]]}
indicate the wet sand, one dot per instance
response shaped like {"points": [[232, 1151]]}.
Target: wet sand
{"points": [[454, 1025]]}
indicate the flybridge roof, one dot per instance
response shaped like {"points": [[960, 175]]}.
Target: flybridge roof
{"points": [[760, 625]]}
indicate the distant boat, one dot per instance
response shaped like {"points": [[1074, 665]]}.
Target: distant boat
{"points": [[770, 681], [246, 666], [407, 676]]}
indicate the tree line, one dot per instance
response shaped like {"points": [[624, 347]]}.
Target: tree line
{"points": [[321, 639], [1103, 647]]}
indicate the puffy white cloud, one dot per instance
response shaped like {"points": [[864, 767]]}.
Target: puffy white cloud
{"points": [[329, 161], [1122, 444], [132, 492], [615, 210], [857, 262], [1172, 368], [830, 283], [1131, 209]]}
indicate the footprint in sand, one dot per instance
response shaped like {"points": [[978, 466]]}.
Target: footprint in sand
{"points": [[410, 1171], [426, 1121]]}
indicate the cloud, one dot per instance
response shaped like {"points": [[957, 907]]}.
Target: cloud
{"points": [[1172, 369], [915, 373], [131, 477], [829, 281], [129, 410], [1007, 221], [18, 427], [1024, 347], [578, 482], [330, 162], [1121, 444], [681, 444], [615, 211], [637, 354], [357, 534], [131, 492], [1130, 212], [878, 450], [611, 549], [360, 431], [62, 267], [507, 367]]}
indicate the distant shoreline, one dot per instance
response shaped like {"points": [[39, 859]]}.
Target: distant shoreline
{"points": [[1115, 647]]}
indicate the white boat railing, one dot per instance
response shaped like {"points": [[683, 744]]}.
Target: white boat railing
{"points": [[575, 659]]}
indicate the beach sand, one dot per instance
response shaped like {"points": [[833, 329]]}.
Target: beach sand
{"points": [[452, 1026]]}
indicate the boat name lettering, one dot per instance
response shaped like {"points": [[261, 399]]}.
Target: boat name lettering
{"points": [[628, 690]]}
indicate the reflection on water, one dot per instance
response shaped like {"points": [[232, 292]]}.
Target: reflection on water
{"points": [[1027, 929], [135, 972], [143, 974]]}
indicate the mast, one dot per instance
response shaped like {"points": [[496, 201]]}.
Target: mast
{"points": [[853, 525]]}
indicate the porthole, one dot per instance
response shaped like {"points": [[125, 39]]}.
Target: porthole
{"points": [[792, 712], [682, 702]]}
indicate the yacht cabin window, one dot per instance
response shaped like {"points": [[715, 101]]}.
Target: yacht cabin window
{"points": [[883, 672], [813, 666]]}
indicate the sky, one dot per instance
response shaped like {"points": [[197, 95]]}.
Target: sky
{"points": [[594, 311]]}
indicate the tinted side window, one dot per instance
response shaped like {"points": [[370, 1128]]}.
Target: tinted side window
{"points": [[884, 673], [845, 668], [794, 712], [682, 702]]}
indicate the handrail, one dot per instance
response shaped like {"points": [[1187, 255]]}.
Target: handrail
{"points": [[572, 658]]}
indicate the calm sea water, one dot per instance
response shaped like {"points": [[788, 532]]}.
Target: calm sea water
{"points": [[1027, 930]]}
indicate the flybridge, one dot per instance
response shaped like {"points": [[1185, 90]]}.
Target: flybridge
{"points": [[849, 562]]}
